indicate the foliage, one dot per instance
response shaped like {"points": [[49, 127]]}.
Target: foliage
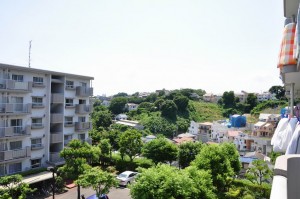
{"points": [[251, 101], [117, 105], [203, 111], [259, 172], [126, 164], [187, 153], [167, 182], [101, 119], [100, 181], [181, 102], [32, 171], [149, 107], [105, 148], [274, 155], [268, 104], [182, 124], [159, 125], [130, 143], [279, 92], [212, 158], [121, 94], [169, 109], [59, 184], [160, 150], [233, 156], [12, 187], [228, 99]]}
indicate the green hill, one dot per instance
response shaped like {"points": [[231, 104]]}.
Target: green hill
{"points": [[206, 112]]}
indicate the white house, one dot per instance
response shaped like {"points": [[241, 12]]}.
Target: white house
{"points": [[131, 106], [121, 117]]}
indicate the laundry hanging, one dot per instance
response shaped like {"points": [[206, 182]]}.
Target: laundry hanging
{"points": [[286, 56]]}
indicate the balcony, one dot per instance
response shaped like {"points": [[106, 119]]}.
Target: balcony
{"points": [[16, 108], [15, 154], [83, 108], [56, 137], [56, 118], [82, 91], [83, 126], [55, 158], [14, 131], [38, 105], [57, 98], [37, 125], [37, 146], [38, 85], [12, 85], [69, 124]]}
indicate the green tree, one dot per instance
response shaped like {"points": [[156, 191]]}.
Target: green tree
{"points": [[121, 94], [160, 150], [130, 143], [106, 149], [182, 124], [146, 106], [159, 125], [117, 105], [279, 92], [188, 152], [151, 98], [76, 156], [169, 109], [98, 180], [211, 158], [233, 156], [259, 172], [181, 102], [158, 103], [102, 119], [12, 187], [251, 101], [228, 99]]}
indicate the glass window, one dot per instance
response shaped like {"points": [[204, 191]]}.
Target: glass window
{"points": [[18, 78], [36, 143], [68, 137], [15, 167], [69, 102], [83, 84], [81, 119], [69, 84], [37, 121], [81, 136], [68, 120], [37, 101], [38, 80], [15, 145], [36, 163]]}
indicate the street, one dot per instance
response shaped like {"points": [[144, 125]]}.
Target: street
{"points": [[115, 193]]}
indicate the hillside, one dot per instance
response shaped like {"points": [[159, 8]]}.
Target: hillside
{"points": [[206, 112]]}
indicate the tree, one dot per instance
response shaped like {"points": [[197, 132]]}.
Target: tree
{"points": [[158, 103], [182, 124], [169, 109], [159, 125], [130, 143], [188, 152], [259, 172], [251, 101], [76, 156], [146, 106], [228, 99], [211, 158], [102, 119], [181, 102], [105, 148], [167, 182], [12, 187], [100, 181], [160, 150], [233, 156], [121, 94], [151, 98], [117, 105], [279, 92]]}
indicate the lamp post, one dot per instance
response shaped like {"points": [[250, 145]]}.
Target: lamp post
{"points": [[52, 169]]}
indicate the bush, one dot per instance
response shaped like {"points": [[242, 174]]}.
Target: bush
{"points": [[248, 188], [125, 164], [144, 163]]}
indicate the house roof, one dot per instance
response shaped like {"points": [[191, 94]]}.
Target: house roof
{"points": [[188, 135], [182, 140], [206, 123], [121, 115], [233, 133], [259, 124], [255, 154], [211, 143]]}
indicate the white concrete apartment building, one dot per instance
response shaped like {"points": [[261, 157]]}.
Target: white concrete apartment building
{"points": [[40, 112]]}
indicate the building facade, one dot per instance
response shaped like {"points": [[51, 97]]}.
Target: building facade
{"points": [[40, 112]]}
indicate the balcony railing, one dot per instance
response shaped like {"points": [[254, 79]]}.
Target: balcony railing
{"points": [[37, 125], [83, 108], [8, 84], [83, 91], [69, 124], [38, 84], [56, 118], [83, 126], [57, 98], [15, 108], [14, 131], [37, 146], [15, 154], [38, 105], [56, 137]]}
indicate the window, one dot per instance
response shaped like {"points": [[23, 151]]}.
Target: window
{"points": [[37, 101], [83, 84], [18, 78], [15, 167], [81, 101], [37, 122], [81, 136], [17, 104], [81, 119], [69, 102], [67, 139], [15, 145], [36, 143], [36, 163], [17, 125], [69, 84], [68, 120], [38, 80]]}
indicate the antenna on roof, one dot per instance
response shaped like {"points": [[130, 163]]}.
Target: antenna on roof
{"points": [[29, 53]]}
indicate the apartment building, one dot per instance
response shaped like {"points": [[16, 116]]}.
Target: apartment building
{"points": [[40, 112]]}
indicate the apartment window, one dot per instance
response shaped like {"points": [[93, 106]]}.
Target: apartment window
{"points": [[81, 136], [17, 125], [83, 84], [15, 145], [37, 122], [69, 102], [36, 143], [81, 119], [18, 78], [37, 101], [36, 163], [17, 103], [68, 120], [81, 101], [69, 84], [15, 167], [38, 80]]}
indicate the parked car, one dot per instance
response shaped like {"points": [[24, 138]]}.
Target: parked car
{"points": [[126, 177], [103, 196]]}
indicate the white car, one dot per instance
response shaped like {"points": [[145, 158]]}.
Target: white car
{"points": [[126, 177]]}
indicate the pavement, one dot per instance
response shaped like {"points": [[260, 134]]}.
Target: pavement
{"points": [[115, 193]]}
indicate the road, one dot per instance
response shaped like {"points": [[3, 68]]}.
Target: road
{"points": [[115, 193]]}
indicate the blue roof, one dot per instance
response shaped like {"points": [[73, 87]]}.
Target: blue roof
{"points": [[247, 159]]}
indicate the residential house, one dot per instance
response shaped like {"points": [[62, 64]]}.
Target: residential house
{"points": [[131, 106], [202, 131], [263, 129], [41, 111], [242, 96], [121, 117], [208, 97], [181, 140], [130, 123], [265, 96]]}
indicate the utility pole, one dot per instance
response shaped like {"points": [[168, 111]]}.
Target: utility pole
{"points": [[29, 53]]}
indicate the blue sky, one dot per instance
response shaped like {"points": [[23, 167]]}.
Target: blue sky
{"points": [[143, 45]]}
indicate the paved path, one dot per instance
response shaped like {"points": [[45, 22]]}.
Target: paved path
{"points": [[115, 193]]}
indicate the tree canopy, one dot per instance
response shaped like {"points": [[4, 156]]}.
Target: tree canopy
{"points": [[117, 105], [130, 143], [188, 152]]}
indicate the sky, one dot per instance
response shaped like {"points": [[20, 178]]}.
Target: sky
{"points": [[145, 45]]}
